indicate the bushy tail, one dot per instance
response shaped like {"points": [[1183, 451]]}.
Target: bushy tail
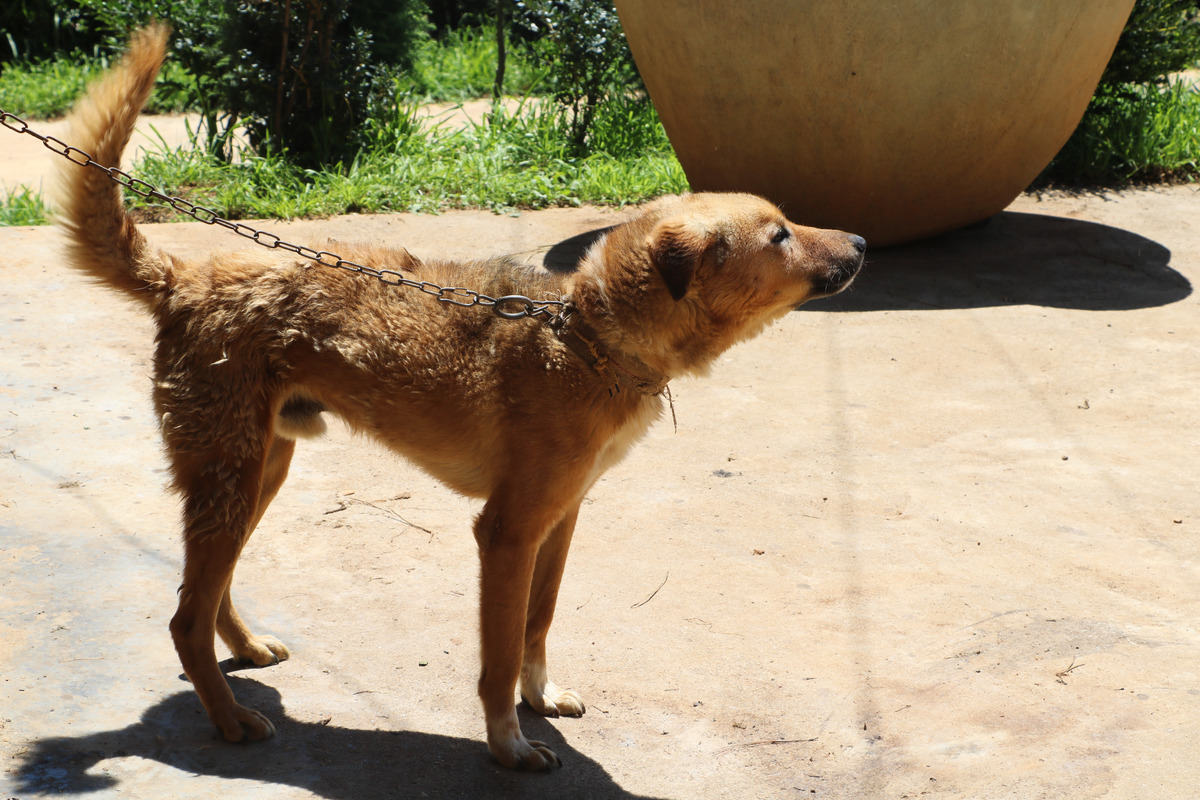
{"points": [[102, 240]]}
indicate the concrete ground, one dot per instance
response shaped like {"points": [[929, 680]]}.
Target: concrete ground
{"points": [[936, 537]]}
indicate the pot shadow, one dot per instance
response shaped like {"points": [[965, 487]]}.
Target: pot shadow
{"points": [[1017, 259], [1012, 259], [328, 761]]}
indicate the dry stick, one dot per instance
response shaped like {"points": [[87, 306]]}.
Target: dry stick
{"points": [[344, 504], [1061, 675], [733, 747], [391, 513], [651, 597]]}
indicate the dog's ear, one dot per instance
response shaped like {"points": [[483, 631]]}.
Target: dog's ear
{"points": [[676, 249]]}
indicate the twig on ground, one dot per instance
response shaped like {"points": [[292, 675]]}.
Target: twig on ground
{"points": [[763, 743], [651, 597], [1060, 676]]}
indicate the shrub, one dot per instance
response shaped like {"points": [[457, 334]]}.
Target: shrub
{"points": [[1139, 125], [298, 75], [1160, 37], [196, 47], [583, 46], [451, 15], [307, 72], [38, 29]]}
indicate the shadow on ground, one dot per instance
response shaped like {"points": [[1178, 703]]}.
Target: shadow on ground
{"points": [[328, 761], [1013, 259], [1018, 259]]}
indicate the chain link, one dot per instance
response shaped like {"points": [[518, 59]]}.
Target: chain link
{"points": [[507, 307]]}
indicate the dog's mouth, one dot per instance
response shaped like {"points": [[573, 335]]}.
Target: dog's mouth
{"points": [[837, 280], [844, 271]]}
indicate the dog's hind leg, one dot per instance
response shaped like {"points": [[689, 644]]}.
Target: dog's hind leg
{"points": [[536, 687], [221, 481], [246, 646]]}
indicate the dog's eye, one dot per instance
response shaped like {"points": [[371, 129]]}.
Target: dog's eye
{"points": [[781, 236]]}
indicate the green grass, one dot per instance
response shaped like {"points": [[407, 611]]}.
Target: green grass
{"points": [[48, 89], [508, 162], [1140, 134], [519, 161], [513, 161], [462, 66], [22, 207]]}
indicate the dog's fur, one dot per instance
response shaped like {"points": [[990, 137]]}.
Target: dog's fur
{"points": [[252, 346]]}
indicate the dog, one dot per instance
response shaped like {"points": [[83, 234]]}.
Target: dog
{"points": [[253, 347]]}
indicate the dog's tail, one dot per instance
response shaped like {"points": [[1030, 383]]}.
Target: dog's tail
{"points": [[102, 241]]}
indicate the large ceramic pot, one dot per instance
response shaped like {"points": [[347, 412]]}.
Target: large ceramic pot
{"points": [[892, 120]]}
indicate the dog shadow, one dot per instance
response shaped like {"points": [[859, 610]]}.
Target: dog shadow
{"points": [[1012, 259], [326, 760]]}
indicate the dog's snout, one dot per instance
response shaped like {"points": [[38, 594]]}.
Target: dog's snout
{"points": [[853, 260], [845, 260]]}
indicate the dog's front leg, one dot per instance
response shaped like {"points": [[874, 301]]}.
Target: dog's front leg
{"points": [[509, 539], [542, 695]]}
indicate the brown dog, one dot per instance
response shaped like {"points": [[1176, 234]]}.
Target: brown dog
{"points": [[253, 346]]}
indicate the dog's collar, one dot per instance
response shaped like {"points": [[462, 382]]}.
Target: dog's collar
{"points": [[619, 370]]}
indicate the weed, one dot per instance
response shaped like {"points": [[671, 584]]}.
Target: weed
{"points": [[23, 207]]}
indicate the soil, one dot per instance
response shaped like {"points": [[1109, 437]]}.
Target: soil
{"points": [[936, 537]]}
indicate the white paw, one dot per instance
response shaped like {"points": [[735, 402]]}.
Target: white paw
{"points": [[262, 651], [547, 699], [555, 702]]}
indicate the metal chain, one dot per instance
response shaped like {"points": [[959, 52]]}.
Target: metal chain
{"points": [[513, 306]]}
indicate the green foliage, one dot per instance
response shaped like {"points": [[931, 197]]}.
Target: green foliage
{"points": [[451, 15], [1161, 37], [519, 160], [396, 28], [33, 30], [583, 46], [461, 65], [47, 89], [1141, 125], [392, 160], [1145, 133], [306, 76], [22, 207], [296, 75], [198, 59], [302, 79]]}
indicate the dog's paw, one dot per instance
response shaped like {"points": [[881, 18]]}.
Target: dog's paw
{"points": [[262, 651], [554, 702], [243, 724], [510, 747]]}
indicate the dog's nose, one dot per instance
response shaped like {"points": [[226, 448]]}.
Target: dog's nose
{"points": [[858, 243]]}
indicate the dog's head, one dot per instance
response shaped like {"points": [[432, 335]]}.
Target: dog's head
{"points": [[691, 275]]}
